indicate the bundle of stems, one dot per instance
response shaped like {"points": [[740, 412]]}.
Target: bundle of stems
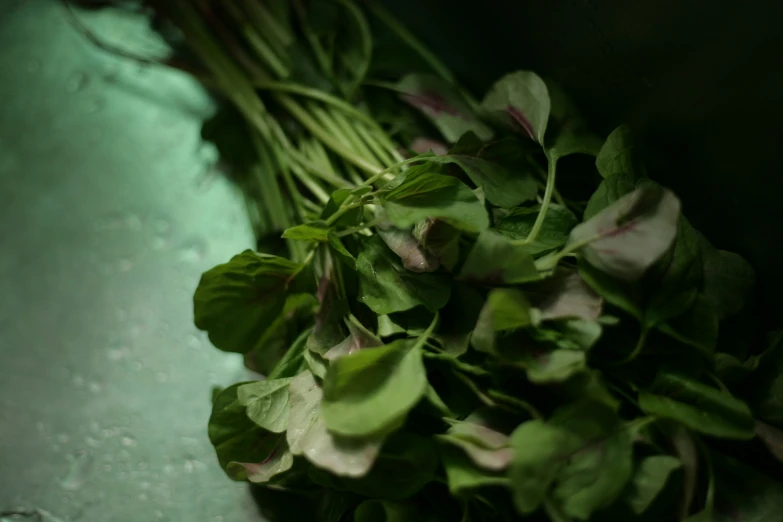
{"points": [[308, 139]]}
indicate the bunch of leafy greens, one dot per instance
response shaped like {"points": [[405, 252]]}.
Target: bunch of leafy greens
{"points": [[453, 335]]}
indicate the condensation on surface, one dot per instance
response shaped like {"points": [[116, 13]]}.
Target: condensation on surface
{"points": [[105, 226]]}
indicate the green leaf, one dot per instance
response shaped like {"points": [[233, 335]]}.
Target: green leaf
{"points": [[582, 453], [673, 291], [307, 434], [358, 339], [697, 327], [279, 461], [619, 293], [485, 446], [413, 255], [772, 438], [728, 279], [649, 480], [505, 309], [553, 366], [698, 406], [237, 440], [565, 295], [610, 190], [745, 494], [314, 231], [442, 103], [337, 246], [617, 156], [568, 132], [631, 234], [458, 318], [463, 475], [267, 403], [328, 329], [237, 301], [439, 239], [383, 511], [386, 286], [496, 260], [558, 223], [766, 383], [370, 392], [350, 218], [523, 98], [423, 195], [406, 463], [504, 186]]}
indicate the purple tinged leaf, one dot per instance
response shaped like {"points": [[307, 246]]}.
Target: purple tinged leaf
{"points": [[630, 235], [307, 434], [424, 145], [566, 295], [524, 99], [413, 255], [486, 447], [357, 340], [443, 104], [279, 461]]}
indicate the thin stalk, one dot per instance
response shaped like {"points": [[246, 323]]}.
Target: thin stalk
{"points": [[385, 172], [311, 185], [304, 118], [321, 56], [345, 134], [360, 134], [353, 174], [550, 187], [269, 189], [543, 175], [637, 349], [261, 47], [316, 94], [261, 17], [406, 36], [366, 39]]}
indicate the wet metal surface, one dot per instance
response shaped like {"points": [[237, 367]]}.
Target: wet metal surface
{"points": [[109, 211]]}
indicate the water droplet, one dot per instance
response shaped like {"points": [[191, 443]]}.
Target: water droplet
{"points": [[94, 387], [76, 82], [93, 106], [162, 377], [93, 443], [161, 225], [158, 243], [125, 265], [193, 251], [79, 469], [78, 381], [107, 468], [143, 497], [128, 442], [218, 518], [63, 438], [168, 469], [141, 466], [117, 354]]}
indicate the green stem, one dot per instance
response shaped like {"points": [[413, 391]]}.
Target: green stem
{"points": [[359, 228], [637, 349], [550, 187], [327, 139], [366, 38], [342, 210], [345, 133], [256, 41], [314, 188], [517, 403], [396, 166], [406, 36], [260, 16]]}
